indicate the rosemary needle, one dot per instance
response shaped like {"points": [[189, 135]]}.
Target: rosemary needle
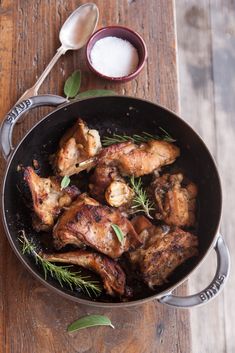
{"points": [[140, 202], [143, 137]]}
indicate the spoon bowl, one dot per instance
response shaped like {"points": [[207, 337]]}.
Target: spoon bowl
{"points": [[78, 27]]}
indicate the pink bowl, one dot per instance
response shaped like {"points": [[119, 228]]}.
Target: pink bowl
{"points": [[124, 33]]}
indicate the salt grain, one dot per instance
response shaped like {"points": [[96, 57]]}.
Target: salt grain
{"points": [[114, 57]]}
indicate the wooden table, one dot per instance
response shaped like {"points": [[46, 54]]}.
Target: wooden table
{"points": [[206, 42], [32, 318]]}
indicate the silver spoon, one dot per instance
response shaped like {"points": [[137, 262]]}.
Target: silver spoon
{"points": [[74, 34]]}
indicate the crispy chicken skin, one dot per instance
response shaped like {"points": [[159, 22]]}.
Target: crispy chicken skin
{"points": [[76, 150], [111, 273], [138, 160], [176, 204], [163, 251], [87, 222], [48, 198]]}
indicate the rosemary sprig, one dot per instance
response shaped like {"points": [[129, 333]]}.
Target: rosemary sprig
{"points": [[143, 137], [60, 273], [140, 202]]}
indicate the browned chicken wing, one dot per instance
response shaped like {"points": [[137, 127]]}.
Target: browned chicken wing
{"points": [[176, 204], [127, 159], [111, 273], [138, 160], [90, 223], [48, 198], [76, 150], [163, 251]]}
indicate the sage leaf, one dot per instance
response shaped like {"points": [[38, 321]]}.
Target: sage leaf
{"points": [[72, 84], [89, 321], [65, 182], [95, 93], [118, 232]]}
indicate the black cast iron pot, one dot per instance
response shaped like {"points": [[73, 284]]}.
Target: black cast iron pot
{"points": [[120, 114]]}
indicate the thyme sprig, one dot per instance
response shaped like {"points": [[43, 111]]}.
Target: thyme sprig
{"points": [[60, 273], [143, 137], [140, 202]]}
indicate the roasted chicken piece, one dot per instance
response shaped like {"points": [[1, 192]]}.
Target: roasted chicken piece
{"points": [[87, 222], [127, 159], [176, 204], [48, 199], [138, 160], [142, 225], [77, 149], [111, 273], [163, 251]]}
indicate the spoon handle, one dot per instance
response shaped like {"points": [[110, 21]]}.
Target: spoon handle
{"points": [[33, 91]]}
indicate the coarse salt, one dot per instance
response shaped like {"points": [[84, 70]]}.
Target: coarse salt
{"points": [[114, 57]]}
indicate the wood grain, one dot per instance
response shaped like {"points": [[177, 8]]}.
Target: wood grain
{"points": [[34, 319], [206, 39]]}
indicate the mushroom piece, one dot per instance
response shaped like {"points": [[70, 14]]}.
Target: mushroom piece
{"points": [[118, 193]]}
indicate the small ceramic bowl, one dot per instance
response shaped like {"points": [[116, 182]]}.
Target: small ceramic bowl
{"points": [[124, 33]]}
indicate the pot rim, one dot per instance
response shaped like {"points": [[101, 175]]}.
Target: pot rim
{"points": [[87, 301]]}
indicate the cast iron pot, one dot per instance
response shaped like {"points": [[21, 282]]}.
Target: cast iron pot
{"points": [[120, 114]]}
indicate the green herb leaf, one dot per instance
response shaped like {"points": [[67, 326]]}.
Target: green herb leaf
{"points": [[72, 84], [95, 93], [89, 321], [118, 232], [65, 182]]}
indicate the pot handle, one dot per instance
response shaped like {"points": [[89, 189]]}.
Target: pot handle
{"points": [[214, 288], [16, 113]]}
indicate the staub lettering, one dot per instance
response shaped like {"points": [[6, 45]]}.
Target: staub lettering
{"points": [[19, 108], [213, 289]]}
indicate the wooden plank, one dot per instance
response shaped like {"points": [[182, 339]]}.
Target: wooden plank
{"points": [[34, 319], [223, 51], [6, 42], [206, 38]]}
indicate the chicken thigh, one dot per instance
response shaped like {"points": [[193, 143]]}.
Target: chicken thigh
{"points": [[176, 204], [87, 222], [163, 251]]}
